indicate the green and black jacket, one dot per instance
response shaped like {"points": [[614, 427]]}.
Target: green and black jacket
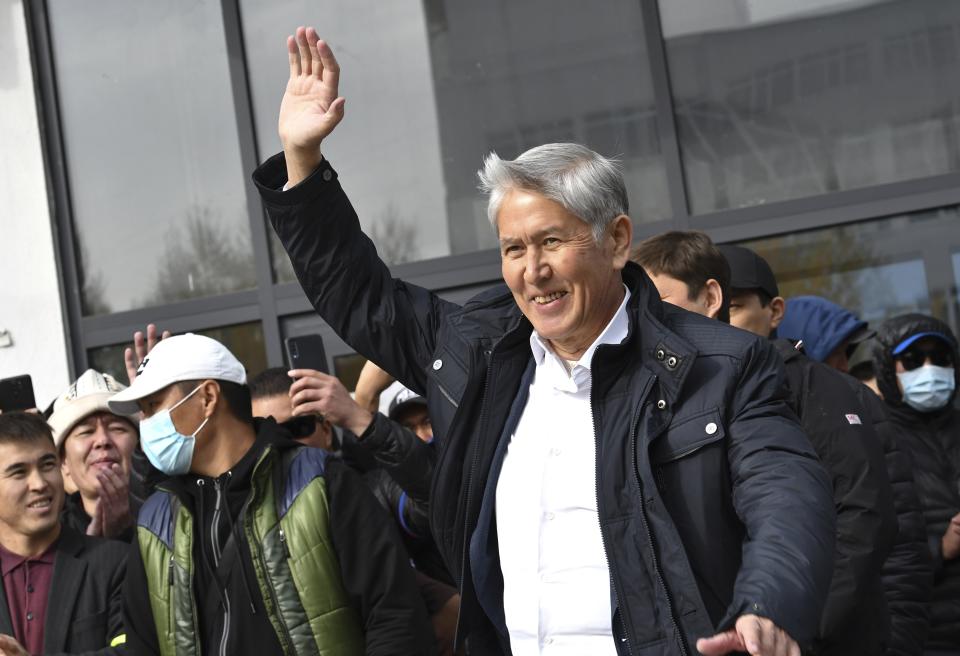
{"points": [[287, 553]]}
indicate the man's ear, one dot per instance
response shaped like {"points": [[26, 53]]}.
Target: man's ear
{"points": [[778, 307], [712, 298], [212, 395], [621, 234]]}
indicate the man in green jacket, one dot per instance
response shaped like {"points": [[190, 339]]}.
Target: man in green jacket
{"points": [[254, 544]]}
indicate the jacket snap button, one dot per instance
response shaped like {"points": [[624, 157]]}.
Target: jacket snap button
{"points": [[660, 354], [437, 364], [672, 362], [327, 175], [661, 404], [711, 428]]}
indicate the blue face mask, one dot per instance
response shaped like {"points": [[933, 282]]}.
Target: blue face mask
{"points": [[168, 450], [927, 388]]}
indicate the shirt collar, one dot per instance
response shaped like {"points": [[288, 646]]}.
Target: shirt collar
{"points": [[615, 332], [9, 561]]}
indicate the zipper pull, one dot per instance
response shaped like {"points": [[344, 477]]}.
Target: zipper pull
{"points": [[170, 573], [283, 541]]}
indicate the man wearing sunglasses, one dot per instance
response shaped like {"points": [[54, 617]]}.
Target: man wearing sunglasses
{"points": [[916, 360]]}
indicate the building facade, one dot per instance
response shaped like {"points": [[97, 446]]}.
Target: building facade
{"points": [[823, 133]]}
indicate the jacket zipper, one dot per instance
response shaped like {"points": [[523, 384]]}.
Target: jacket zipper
{"points": [[447, 395], [603, 538], [474, 463], [653, 553], [215, 544]]}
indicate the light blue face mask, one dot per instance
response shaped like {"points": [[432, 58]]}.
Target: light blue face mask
{"points": [[167, 449], [927, 388]]}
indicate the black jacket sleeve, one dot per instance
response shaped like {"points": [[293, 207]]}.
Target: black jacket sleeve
{"points": [[407, 458], [386, 320], [137, 613], [843, 435], [375, 569], [782, 495]]}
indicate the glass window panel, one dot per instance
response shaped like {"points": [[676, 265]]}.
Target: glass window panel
{"points": [[780, 99], [244, 340], [153, 159], [433, 86], [876, 269]]}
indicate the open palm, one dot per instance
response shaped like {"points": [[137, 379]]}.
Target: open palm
{"points": [[311, 107]]}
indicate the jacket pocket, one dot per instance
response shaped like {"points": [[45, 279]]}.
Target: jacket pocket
{"points": [[686, 436], [448, 372]]}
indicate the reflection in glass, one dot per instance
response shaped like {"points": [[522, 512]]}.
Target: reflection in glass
{"points": [[156, 181], [432, 87], [875, 269], [244, 340], [792, 98]]}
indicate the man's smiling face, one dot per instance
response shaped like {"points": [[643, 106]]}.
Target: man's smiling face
{"points": [[31, 488], [566, 283]]}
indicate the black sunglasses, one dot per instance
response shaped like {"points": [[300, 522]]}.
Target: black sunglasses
{"points": [[915, 357]]}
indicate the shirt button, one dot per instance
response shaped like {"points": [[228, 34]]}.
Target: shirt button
{"points": [[437, 364], [29, 616], [327, 175], [711, 428], [30, 587]]}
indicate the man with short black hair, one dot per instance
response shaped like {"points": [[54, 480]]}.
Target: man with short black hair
{"points": [[906, 573], [61, 589], [847, 447], [688, 271], [255, 544]]}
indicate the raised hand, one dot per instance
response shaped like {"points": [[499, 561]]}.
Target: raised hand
{"points": [[754, 635], [316, 393], [311, 107], [132, 357]]}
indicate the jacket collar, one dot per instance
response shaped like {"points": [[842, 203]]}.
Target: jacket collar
{"points": [[493, 319]]}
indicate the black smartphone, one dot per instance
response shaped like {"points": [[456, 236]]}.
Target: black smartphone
{"points": [[17, 394], [306, 352]]}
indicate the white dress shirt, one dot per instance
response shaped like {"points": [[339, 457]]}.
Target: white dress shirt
{"points": [[556, 592]]}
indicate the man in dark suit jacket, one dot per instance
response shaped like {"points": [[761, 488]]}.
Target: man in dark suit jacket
{"points": [[60, 591]]}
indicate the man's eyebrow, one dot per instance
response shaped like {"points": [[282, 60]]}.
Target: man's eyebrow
{"points": [[13, 468], [48, 457]]}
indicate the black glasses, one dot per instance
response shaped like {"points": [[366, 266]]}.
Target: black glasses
{"points": [[915, 357]]}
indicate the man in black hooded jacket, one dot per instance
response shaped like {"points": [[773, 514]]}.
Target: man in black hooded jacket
{"points": [[916, 361]]}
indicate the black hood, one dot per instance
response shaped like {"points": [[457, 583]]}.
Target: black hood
{"points": [[890, 333]]}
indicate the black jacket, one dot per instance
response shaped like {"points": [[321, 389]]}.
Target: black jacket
{"points": [[711, 501], [374, 569], [398, 466], [929, 439], [907, 572], [85, 603], [855, 620]]}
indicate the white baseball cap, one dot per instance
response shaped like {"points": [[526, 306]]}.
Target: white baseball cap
{"points": [[86, 395], [174, 360], [397, 397]]}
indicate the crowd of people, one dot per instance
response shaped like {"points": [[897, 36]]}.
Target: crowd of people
{"points": [[626, 448]]}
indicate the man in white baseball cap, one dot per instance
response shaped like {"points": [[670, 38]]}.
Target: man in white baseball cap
{"points": [[96, 448], [254, 544]]}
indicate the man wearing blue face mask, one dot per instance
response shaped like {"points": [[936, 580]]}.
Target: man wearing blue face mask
{"points": [[254, 544], [916, 361]]}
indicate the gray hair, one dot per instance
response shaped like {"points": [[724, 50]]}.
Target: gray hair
{"points": [[586, 184]]}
